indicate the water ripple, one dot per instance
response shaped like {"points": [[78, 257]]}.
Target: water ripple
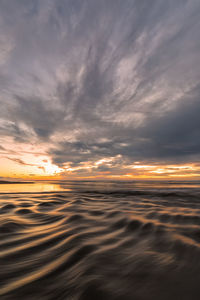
{"points": [[100, 245]]}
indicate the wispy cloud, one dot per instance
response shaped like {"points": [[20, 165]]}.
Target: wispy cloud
{"points": [[92, 80]]}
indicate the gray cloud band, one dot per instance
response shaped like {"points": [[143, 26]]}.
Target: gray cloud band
{"points": [[100, 79]]}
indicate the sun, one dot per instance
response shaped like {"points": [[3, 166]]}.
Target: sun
{"points": [[51, 169]]}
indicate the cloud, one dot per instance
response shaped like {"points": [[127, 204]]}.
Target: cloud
{"points": [[19, 161], [176, 135], [102, 79]]}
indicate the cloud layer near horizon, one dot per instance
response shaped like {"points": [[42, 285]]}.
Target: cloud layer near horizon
{"points": [[110, 81]]}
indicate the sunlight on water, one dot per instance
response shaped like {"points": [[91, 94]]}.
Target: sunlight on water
{"points": [[35, 187], [68, 186], [100, 240]]}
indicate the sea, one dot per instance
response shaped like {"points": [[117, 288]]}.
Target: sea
{"points": [[100, 240]]}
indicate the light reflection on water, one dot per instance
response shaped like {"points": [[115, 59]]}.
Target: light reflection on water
{"points": [[35, 187], [67, 186], [100, 240]]}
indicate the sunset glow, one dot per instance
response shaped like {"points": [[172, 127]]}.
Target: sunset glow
{"points": [[99, 149], [98, 96], [33, 162]]}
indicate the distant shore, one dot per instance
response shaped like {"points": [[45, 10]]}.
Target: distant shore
{"points": [[14, 182]]}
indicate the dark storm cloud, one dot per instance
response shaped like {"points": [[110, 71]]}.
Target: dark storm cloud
{"points": [[96, 79], [176, 134]]}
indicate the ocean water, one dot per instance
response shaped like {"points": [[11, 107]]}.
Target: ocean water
{"points": [[100, 240]]}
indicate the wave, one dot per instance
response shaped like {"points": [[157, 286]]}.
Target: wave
{"points": [[100, 244]]}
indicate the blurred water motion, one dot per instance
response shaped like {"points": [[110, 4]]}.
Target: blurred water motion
{"points": [[106, 240]]}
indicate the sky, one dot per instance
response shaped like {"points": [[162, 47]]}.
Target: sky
{"points": [[101, 89]]}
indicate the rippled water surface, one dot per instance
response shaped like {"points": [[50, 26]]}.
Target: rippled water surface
{"points": [[103, 240]]}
